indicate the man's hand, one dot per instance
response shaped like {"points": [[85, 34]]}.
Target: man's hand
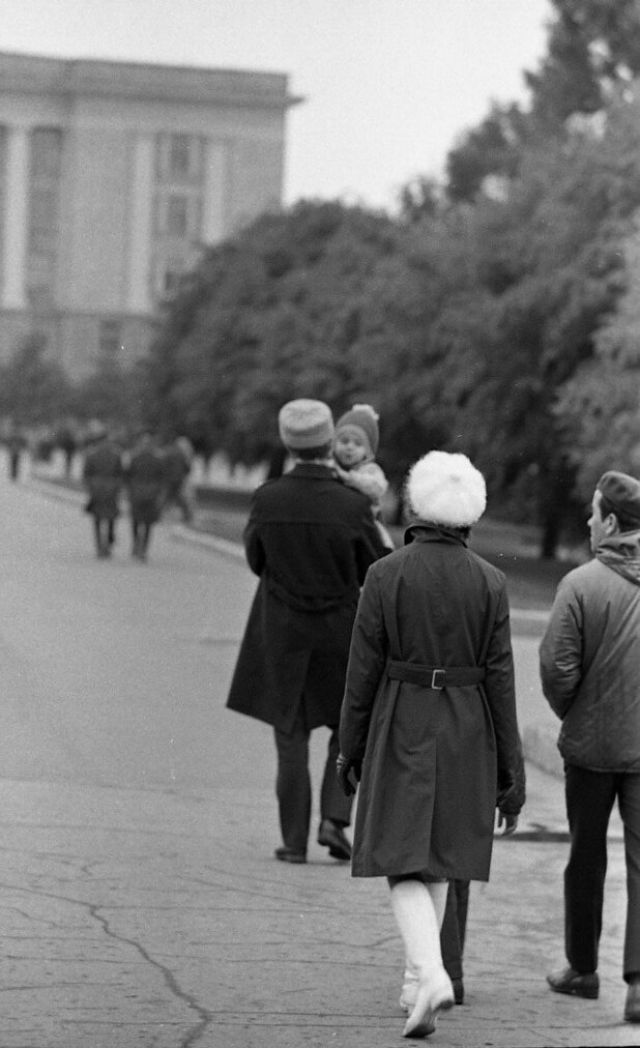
{"points": [[348, 770], [510, 823]]}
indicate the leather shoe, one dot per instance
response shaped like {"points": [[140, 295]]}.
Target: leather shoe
{"points": [[577, 984], [332, 836], [632, 1003], [285, 854]]}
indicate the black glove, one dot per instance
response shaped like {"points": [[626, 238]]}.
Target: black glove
{"points": [[344, 767]]}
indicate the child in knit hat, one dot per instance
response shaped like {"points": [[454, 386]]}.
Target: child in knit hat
{"points": [[354, 449]]}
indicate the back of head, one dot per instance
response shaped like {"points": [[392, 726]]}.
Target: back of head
{"points": [[620, 495], [305, 425], [446, 489]]}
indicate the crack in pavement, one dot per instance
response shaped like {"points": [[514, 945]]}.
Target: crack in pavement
{"points": [[204, 1015]]}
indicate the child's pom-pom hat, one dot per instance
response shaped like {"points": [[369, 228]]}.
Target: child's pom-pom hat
{"points": [[445, 488]]}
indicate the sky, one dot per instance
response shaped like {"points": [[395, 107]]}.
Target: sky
{"points": [[389, 85]]}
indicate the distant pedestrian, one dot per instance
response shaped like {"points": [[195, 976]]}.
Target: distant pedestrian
{"points": [[429, 721], [16, 443], [590, 669], [67, 440], [145, 487], [103, 477], [177, 458], [310, 539]]}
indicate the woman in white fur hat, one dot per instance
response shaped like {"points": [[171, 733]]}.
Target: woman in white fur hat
{"points": [[429, 720]]}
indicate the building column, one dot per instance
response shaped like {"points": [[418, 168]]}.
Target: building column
{"points": [[141, 227], [14, 248], [215, 192]]}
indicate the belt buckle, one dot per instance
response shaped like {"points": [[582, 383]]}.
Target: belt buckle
{"points": [[434, 680]]}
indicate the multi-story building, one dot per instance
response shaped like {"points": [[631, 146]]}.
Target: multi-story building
{"points": [[113, 178]]}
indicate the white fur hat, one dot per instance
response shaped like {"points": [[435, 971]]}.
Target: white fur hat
{"points": [[445, 488]]}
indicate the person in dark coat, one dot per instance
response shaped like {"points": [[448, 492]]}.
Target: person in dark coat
{"points": [[16, 443], [103, 477], [310, 539], [177, 459], [145, 487], [429, 721]]}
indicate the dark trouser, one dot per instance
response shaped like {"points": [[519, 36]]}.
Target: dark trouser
{"points": [[293, 786], [454, 928], [105, 534], [590, 797], [141, 533], [176, 496]]}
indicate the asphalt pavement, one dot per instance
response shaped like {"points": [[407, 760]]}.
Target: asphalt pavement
{"points": [[154, 915]]}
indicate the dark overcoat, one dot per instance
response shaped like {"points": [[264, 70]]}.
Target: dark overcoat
{"points": [[145, 485], [310, 539], [103, 475], [434, 759]]}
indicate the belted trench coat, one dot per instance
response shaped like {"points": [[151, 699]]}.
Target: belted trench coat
{"points": [[434, 757], [310, 539]]}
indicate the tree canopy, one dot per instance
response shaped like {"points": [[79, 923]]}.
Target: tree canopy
{"points": [[496, 315]]}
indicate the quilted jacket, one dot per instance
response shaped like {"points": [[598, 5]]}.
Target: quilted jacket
{"points": [[590, 659]]}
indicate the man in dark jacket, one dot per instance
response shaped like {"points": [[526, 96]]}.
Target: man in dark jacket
{"points": [[310, 539], [590, 669]]}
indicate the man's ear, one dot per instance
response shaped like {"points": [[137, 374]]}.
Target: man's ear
{"points": [[611, 524]]}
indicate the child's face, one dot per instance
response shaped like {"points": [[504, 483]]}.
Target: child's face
{"points": [[351, 446]]}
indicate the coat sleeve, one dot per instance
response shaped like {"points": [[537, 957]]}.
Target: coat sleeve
{"points": [[561, 650], [369, 546], [254, 550], [501, 697], [369, 479], [367, 659]]}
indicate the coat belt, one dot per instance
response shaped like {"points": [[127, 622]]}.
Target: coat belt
{"points": [[435, 677]]}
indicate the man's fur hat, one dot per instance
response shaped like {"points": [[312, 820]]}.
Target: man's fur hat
{"points": [[447, 489]]}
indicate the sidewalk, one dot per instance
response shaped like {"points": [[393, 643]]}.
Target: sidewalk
{"points": [[159, 919]]}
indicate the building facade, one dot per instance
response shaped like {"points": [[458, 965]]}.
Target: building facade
{"points": [[113, 179]]}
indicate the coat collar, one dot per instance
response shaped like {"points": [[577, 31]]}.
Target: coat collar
{"points": [[311, 469], [419, 531]]}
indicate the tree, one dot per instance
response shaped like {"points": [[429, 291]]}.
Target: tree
{"points": [[599, 407], [33, 389], [549, 269], [269, 316], [593, 53]]}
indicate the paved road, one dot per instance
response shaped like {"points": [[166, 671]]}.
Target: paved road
{"points": [[141, 906]]}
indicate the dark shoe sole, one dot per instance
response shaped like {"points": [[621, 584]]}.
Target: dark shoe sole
{"points": [[337, 853], [576, 991], [285, 855]]}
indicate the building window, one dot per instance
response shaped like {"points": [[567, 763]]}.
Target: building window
{"points": [[110, 338], [179, 159], [177, 215]]}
